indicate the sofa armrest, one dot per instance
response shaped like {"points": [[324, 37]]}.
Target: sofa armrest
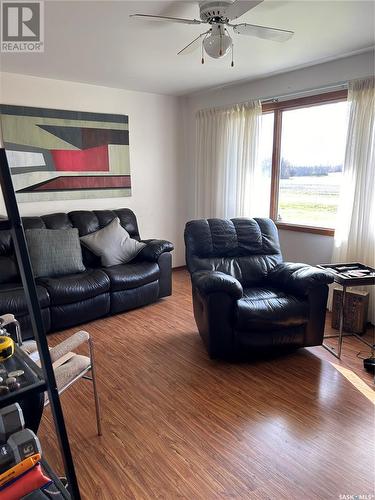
{"points": [[298, 278], [154, 248], [5, 319], [208, 282]]}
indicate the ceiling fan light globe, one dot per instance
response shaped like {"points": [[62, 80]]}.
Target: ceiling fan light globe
{"points": [[217, 45]]}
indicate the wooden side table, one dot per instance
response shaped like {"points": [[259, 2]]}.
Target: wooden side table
{"points": [[344, 275]]}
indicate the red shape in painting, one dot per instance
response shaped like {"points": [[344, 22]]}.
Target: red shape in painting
{"points": [[87, 160]]}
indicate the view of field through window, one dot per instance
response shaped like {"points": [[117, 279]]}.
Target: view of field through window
{"points": [[312, 155]]}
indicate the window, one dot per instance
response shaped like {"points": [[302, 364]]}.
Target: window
{"points": [[308, 138]]}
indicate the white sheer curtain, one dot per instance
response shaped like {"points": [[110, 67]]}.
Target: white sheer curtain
{"points": [[226, 161], [355, 232]]}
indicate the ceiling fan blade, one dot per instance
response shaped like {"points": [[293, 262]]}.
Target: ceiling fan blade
{"points": [[194, 45], [264, 32], [240, 7], [166, 18]]}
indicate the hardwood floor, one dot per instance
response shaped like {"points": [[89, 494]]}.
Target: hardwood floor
{"points": [[177, 425], [353, 352]]}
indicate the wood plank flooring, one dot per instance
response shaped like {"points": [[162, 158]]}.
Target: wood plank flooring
{"points": [[353, 351], [179, 426]]}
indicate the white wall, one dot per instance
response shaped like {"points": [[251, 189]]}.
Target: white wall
{"points": [[154, 149], [296, 246], [306, 247]]}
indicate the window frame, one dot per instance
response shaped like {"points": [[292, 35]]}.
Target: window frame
{"points": [[277, 108]]}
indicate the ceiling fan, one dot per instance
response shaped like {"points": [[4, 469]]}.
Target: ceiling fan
{"points": [[216, 41]]}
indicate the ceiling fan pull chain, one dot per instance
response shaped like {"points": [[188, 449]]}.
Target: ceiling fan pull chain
{"points": [[232, 63], [202, 53]]}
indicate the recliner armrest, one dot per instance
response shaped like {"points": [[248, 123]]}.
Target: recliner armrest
{"points": [[215, 281], [298, 278], [154, 248]]}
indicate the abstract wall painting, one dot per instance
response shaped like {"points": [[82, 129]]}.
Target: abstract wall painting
{"points": [[64, 155]]}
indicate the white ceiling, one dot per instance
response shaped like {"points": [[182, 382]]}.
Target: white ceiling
{"points": [[96, 42]]}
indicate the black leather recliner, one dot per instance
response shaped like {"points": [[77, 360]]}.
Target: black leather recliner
{"points": [[245, 298], [72, 299]]}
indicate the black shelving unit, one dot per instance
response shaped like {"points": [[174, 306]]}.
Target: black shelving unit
{"points": [[31, 382], [36, 379], [56, 481]]}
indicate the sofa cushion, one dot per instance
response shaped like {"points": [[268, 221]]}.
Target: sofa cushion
{"points": [[133, 275], [25, 323], [8, 264], [247, 249], [67, 315], [48, 221], [88, 222], [75, 287], [8, 269], [124, 300], [268, 308], [12, 299], [113, 244], [54, 252]]}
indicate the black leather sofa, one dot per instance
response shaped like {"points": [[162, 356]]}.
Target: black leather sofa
{"points": [[246, 299], [69, 300]]}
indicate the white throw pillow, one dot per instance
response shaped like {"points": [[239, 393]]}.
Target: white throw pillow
{"points": [[112, 244]]}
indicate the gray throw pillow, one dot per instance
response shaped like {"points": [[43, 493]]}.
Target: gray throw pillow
{"points": [[54, 252], [112, 244]]}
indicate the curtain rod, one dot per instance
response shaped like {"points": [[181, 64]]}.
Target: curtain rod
{"points": [[264, 100], [337, 86]]}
